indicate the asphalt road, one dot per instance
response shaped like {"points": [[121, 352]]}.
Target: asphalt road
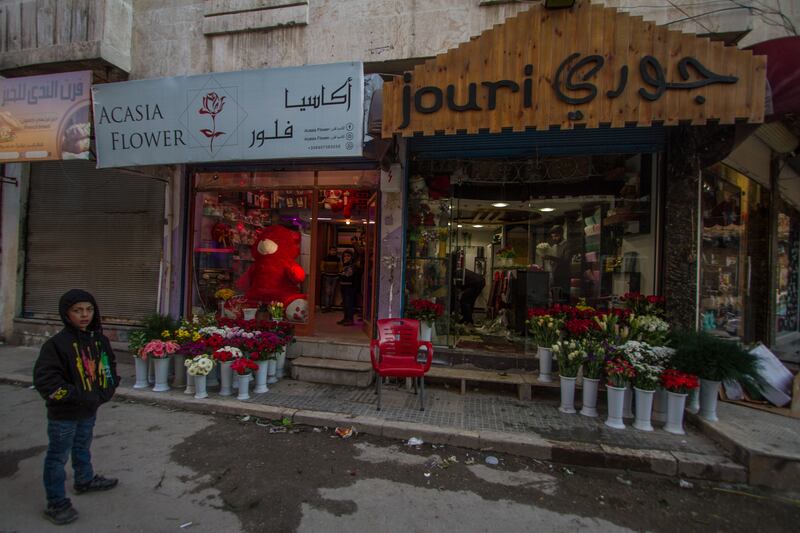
{"points": [[223, 474]]}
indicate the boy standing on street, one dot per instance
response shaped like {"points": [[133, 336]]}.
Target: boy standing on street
{"points": [[75, 373]]}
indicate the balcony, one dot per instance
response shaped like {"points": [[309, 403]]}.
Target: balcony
{"points": [[46, 36]]}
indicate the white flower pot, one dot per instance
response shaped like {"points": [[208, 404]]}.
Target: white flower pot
{"points": [[644, 409], [272, 371], [234, 380], [693, 401], [590, 387], [261, 378], [675, 405], [212, 379], [709, 393], [627, 410], [244, 386], [567, 395], [189, 383], [659, 404], [151, 370], [280, 363], [141, 373], [179, 371], [225, 378], [616, 401], [162, 374], [545, 364], [200, 387], [249, 313], [425, 331]]}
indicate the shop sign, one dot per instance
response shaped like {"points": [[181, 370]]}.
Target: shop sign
{"points": [[45, 117], [281, 113], [588, 66]]}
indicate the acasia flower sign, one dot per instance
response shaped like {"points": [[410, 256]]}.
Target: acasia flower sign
{"points": [[278, 113], [212, 105]]}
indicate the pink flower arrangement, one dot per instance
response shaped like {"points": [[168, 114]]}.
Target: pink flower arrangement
{"points": [[158, 349]]}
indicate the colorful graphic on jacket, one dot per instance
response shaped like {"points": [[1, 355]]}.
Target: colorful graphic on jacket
{"points": [[91, 370]]}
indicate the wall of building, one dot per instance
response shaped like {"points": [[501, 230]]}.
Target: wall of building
{"points": [[169, 37], [12, 212]]}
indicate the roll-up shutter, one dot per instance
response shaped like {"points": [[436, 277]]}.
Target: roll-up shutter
{"points": [[100, 230], [540, 143]]}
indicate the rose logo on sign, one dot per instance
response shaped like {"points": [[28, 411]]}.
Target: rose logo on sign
{"points": [[212, 105]]}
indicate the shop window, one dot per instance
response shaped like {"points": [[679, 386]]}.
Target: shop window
{"points": [[734, 245], [229, 225], [491, 239], [788, 276]]}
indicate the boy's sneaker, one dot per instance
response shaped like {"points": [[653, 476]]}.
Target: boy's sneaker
{"points": [[97, 483], [60, 515]]}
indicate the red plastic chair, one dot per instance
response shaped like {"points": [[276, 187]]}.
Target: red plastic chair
{"points": [[396, 352]]}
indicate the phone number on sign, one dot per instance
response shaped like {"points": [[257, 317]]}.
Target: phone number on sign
{"points": [[325, 147]]}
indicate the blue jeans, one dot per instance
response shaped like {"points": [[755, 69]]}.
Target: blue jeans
{"points": [[67, 437]]}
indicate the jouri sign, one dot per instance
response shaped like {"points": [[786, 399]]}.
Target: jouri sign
{"points": [[312, 111], [587, 66]]}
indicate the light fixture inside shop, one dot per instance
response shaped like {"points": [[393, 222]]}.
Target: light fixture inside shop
{"points": [[547, 209], [499, 204], [477, 225], [460, 226], [347, 221]]}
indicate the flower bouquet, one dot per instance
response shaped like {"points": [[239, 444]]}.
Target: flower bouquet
{"points": [[158, 349], [199, 365], [648, 328], [276, 310], [243, 366], [678, 382], [227, 353], [640, 304], [544, 327], [225, 294], [570, 356], [619, 372], [424, 311]]}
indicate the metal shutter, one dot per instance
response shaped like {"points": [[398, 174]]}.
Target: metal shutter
{"points": [[100, 230]]}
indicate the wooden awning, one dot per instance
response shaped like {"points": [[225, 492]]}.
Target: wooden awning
{"points": [[587, 66]]}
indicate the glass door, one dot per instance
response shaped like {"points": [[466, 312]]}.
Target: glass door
{"points": [[370, 274]]}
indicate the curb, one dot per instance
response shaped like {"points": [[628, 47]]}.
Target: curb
{"points": [[767, 470], [665, 463]]}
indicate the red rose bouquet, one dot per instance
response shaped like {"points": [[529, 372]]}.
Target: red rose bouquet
{"points": [[424, 310], [678, 382], [243, 366]]}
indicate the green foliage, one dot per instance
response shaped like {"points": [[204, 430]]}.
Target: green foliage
{"points": [[154, 324], [136, 339], [713, 358]]}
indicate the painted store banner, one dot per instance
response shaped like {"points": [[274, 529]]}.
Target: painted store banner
{"points": [[279, 113], [45, 117]]}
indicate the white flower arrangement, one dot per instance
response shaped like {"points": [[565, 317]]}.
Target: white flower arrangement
{"points": [[648, 328], [199, 365], [570, 356]]}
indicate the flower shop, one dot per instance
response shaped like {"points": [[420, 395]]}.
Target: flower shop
{"points": [[211, 354]]}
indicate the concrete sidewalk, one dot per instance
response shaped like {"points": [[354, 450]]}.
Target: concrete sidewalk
{"points": [[476, 420]]}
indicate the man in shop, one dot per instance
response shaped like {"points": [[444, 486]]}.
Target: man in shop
{"points": [[559, 256], [348, 283], [331, 267], [471, 285]]}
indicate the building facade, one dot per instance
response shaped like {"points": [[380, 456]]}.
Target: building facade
{"points": [[701, 211]]}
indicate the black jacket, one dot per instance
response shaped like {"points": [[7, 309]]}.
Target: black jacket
{"points": [[76, 370]]}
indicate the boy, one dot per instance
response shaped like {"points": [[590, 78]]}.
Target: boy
{"points": [[76, 372]]}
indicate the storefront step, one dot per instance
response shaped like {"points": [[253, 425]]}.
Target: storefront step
{"points": [[524, 381], [488, 359], [327, 349], [332, 371]]}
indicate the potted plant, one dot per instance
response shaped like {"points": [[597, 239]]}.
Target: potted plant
{"points": [[545, 329], [276, 310], [199, 367], [225, 357], [619, 374], [426, 312], [262, 349], [136, 341], [596, 353], [506, 255], [713, 360], [649, 329], [677, 384], [244, 367], [160, 351]]}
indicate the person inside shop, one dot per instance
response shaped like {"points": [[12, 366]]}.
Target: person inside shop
{"points": [[469, 285], [330, 268], [558, 258], [349, 280], [75, 373]]}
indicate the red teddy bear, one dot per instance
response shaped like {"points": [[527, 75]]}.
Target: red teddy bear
{"points": [[275, 274]]}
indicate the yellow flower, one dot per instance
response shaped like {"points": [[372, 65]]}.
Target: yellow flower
{"points": [[195, 337], [165, 334]]}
